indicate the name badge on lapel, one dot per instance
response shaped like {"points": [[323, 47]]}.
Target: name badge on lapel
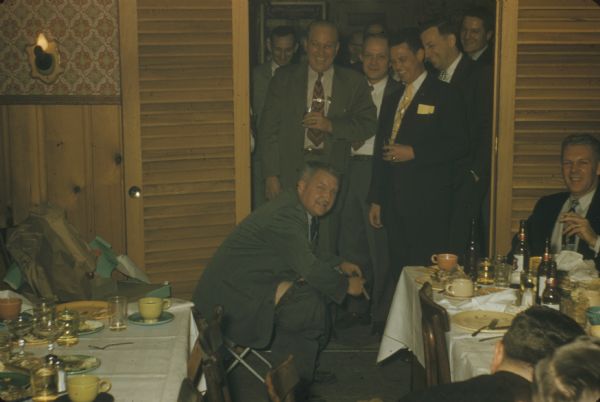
{"points": [[425, 109]]}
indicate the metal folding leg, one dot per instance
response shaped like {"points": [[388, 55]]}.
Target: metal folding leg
{"points": [[240, 358]]}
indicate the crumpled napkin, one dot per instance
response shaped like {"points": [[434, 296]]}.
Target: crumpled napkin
{"points": [[497, 301], [567, 260]]}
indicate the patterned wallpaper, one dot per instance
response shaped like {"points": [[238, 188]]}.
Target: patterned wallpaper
{"points": [[88, 41]]}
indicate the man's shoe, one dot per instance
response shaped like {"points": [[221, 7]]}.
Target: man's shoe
{"points": [[324, 377]]}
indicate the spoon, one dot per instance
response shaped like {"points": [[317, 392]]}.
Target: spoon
{"points": [[491, 325]]}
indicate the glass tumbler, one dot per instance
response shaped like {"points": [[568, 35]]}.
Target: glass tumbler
{"points": [[117, 313], [502, 272]]}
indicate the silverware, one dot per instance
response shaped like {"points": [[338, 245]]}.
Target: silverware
{"points": [[490, 337], [491, 325], [109, 345]]}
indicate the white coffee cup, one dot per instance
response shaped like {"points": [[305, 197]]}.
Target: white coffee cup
{"points": [[460, 288]]}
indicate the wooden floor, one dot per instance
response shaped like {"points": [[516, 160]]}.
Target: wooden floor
{"points": [[352, 358]]}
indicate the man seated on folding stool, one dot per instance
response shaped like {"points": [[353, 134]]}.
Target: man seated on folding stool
{"points": [[273, 286]]}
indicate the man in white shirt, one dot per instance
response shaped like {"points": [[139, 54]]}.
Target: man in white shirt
{"points": [[571, 219], [361, 243]]}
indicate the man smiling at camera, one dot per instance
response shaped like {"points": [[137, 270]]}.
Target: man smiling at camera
{"points": [[571, 219], [273, 285]]}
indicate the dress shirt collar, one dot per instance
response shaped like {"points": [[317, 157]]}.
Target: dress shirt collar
{"points": [[416, 84], [274, 67], [452, 67], [584, 202], [313, 75], [379, 86], [478, 53]]}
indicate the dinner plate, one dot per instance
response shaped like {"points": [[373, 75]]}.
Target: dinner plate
{"points": [[475, 319], [479, 291], [102, 397], [77, 364], [165, 317], [14, 386], [87, 309], [88, 327]]}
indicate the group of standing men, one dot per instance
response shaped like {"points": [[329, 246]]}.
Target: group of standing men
{"points": [[413, 152], [406, 159]]}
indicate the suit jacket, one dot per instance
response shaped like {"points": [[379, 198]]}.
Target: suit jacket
{"points": [[438, 138], [502, 386], [487, 57], [261, 75], [268, 247], [541, 224], [281, 135], [475, 81]]}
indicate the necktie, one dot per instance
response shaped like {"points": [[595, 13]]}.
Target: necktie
{"points": [[314, 229], [444, 76], [404, 103], [317, 105], [357, 144], [570, 242]]}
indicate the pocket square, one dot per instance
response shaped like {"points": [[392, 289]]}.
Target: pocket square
{"points": [[425, 109]]}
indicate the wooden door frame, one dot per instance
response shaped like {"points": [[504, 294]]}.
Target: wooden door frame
{"points": [[505, 78]]}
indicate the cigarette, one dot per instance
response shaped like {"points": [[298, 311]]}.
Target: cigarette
{"points": [[365, 294]]}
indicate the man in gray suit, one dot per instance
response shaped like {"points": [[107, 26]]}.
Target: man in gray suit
{"points": [[282, 45], [272, 285], [340, 110], [360, 242]]}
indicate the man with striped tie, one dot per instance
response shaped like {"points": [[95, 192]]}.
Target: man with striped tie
{"points": [[571, 219]]}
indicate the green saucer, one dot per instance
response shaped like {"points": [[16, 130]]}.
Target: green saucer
{"points": [[165, 317]]}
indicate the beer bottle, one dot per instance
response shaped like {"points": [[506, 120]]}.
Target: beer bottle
{"points": [[471, 254], [520, 258], [541, 273], [551, 294]]}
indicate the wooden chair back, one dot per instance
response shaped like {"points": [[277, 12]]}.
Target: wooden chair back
{"points": [[282, 380], [435, 324], [206, 358]]}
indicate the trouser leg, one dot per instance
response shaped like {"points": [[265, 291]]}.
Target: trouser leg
{"points": [[301, 328]]}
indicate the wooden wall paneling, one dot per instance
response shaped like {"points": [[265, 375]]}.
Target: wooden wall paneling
{"points": [[132, 156], [69, 176], [27, 162], [193, 138], [107, 164], [4, 168]]}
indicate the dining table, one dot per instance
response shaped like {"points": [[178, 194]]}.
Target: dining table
{"points": [[469, 355], [143, 362]]}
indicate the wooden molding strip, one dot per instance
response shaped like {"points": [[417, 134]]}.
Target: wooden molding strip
{"points": [[60, 99]]}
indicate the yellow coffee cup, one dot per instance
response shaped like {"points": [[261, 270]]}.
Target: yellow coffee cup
{"points": [[151, 307], [85, 388]]}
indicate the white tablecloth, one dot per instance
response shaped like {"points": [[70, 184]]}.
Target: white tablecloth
{"points": [[468, 356], [150, 369]]}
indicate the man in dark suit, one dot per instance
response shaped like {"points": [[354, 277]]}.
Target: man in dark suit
{"points": [[476, 34], [571, 219], [273, 287], [533, 335], [475, 82], [282, 45], [340, 111], [361, 243], [416, 148]]}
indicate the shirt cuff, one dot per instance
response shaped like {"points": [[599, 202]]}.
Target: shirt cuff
{"points": [[596, 246]]}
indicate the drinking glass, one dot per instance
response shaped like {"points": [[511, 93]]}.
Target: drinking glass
{"points": [[18, 328], [50, 330], [502, 272], [44, 310], [117, 310]]}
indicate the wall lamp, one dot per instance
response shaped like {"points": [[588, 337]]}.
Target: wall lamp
{"points": [[44, 59]]}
